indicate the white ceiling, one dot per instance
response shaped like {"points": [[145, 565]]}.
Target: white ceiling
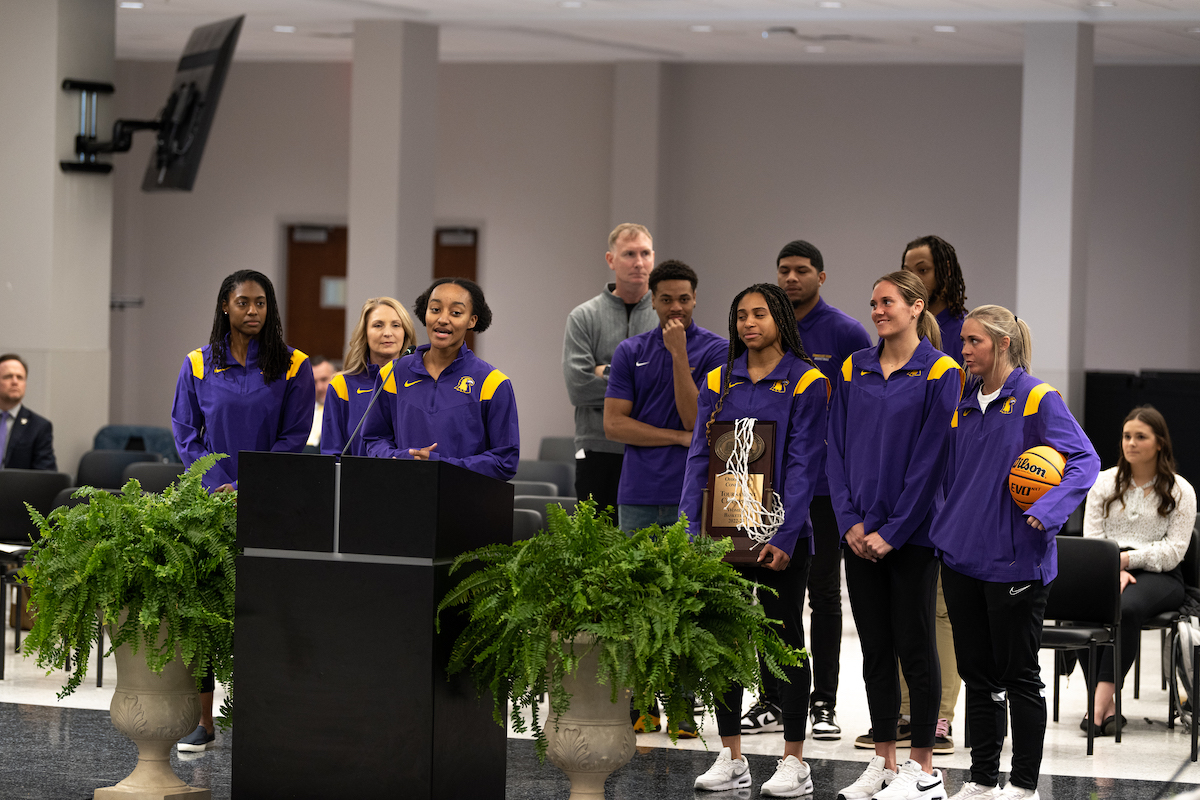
{"points": [[800, 31]]}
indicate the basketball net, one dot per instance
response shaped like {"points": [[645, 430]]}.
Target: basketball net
{"points": [[756, 521]]}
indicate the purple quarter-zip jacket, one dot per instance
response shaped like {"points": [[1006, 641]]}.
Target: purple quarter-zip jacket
{"points": [[888, 441], [980, 531], [795, 397]]}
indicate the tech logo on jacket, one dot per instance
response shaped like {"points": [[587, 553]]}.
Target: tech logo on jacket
{"points": [[464, 384]]}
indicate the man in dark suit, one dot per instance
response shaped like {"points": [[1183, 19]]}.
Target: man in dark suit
{"points": [[26, 439]]}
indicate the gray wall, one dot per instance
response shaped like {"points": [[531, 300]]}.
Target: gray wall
{"points": [[858, 159]]}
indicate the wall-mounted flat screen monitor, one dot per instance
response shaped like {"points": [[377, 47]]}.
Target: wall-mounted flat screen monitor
{"points": [[188, 114]]}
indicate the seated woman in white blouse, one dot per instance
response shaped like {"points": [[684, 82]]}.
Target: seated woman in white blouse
{"points": [[1149, 510]]}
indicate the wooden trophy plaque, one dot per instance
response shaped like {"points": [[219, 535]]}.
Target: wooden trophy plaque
{"points": [[718, 521]]}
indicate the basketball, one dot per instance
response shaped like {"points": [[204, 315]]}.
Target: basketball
{"points": [[1034, 473]]}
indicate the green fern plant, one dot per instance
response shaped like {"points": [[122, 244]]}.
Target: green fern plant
{"points": [[167, 559], [669, 616]]}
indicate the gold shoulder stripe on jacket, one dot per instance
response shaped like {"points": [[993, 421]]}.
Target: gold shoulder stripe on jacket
{"points": [[298, 358], [847, 369], [954, 419], [944, 365], [807, 379], [1035, 397], [389, 380], [491, 384], [338, 384], [197, 359], [714, 380]]}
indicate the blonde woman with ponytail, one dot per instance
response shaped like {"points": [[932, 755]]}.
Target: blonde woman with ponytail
{"points": [[889, 422], [998, 561]]}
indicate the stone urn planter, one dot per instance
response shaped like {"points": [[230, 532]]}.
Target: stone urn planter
{"points": [[154, 711], [152, 567], [594, 737]]}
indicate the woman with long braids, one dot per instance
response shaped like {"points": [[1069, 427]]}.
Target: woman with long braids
{"points": [[933, 260], [768, 377], [1146, 507], [889, 425], [245, 390], [998, 561], [384, 331]]}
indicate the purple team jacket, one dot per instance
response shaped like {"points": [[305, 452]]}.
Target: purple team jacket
{"points": [[232, 409], [888, 441], [470, 411], [980, 531], [795, 397], [345, 404]]}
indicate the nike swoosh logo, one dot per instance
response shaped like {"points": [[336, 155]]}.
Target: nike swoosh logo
{"points": [[641, 363], [364, 391], [925, 788], [220, 370], [1014, 591], [739, 383], [410, 383]]}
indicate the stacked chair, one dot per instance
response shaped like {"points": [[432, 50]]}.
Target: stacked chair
{"points": [[549, 479]]}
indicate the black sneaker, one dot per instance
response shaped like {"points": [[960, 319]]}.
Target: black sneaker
{"points": [[824, 722], [763, 717], [687, 729], [903, 737], [196, 741]]}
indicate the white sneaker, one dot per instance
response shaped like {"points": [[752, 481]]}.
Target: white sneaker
{"points": [[913, 783], [973, 791], [873, 779], [792, 778], [1011, 792], [725, 774]]}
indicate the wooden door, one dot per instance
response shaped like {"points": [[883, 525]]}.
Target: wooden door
{"points": [[315, 319], [455, 255]]}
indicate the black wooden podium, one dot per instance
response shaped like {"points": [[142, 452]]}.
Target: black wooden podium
{"points": [[340, 684]]}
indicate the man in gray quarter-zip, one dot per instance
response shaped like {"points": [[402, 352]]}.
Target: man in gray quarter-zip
{"points": [[594, 329]]}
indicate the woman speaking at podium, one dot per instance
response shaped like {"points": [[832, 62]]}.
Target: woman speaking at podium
{"points": [[384, 332], [769, 378], [444, 403], [244, 390]]}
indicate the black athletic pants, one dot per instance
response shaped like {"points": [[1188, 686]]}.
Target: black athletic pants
{"points": [[825, 602], [997, 633], [894, 601], [1154, 593], [787, 607], [597, 476]]}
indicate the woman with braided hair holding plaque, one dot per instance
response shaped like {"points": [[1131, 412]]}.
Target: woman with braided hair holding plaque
{"points": [[768, 377]]}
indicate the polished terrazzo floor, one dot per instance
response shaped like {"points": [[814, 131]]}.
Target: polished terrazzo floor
{"points": [[52, 750]]}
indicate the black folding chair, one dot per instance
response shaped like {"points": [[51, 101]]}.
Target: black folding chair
{"points": [[1085, 604]]}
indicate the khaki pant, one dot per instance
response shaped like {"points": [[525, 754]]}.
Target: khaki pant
{"points": [[951, 683]]}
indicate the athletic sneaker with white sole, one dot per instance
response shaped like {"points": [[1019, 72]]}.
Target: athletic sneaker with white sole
{"points": [[1011, 792], [763, 717], [197, 741], [874, 778], [824, 722], [727, 773], [973, 791], [792, 778], [914, 783]]}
